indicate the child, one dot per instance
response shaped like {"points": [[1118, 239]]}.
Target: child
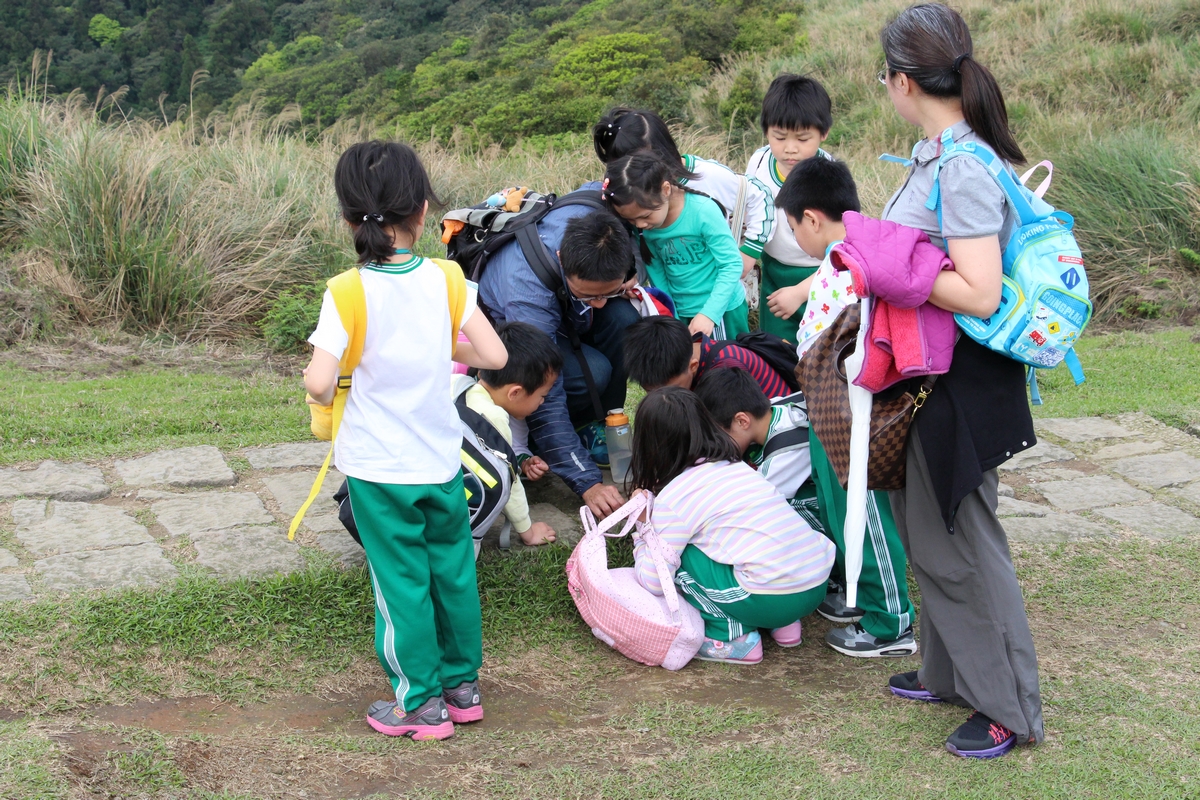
{"points": [[513, 393], [661, 351], [813, 199], [694, 258], [398, 445], [796, 118], [624, 131], [741, 556]]}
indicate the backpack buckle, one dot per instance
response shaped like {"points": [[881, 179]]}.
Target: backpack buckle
{"points": [[343, 382]]}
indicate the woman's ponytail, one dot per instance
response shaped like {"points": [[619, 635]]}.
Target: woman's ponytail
{"points": [[931, 44]]}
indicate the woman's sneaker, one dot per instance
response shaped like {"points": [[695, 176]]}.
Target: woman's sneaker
{"points": [[789, 635], [742, 650], [463, 703], [907, 686], [854, 640], [981, 737], [430, 721]]}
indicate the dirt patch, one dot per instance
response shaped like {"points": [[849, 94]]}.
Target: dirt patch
{"points": [[89, 356]]}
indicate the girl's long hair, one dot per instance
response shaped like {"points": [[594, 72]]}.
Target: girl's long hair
{"points": [[638, 178], [380, 184], [930, 43], [624, 131], [674, 431]]}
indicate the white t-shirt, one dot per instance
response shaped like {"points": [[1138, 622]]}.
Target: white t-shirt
{"points": [[723, 184], [400, 425], [831, 292], [781, 244]]}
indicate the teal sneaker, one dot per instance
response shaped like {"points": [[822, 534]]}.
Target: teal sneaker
{"points": [[742, 650], [595, 442]]}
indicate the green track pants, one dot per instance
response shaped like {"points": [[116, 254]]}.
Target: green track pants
{"points": [[428, 630], [777, 275], [883, 581]]}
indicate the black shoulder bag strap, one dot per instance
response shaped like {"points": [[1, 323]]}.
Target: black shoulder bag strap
{"points": [[543, 266], [785, 441]]}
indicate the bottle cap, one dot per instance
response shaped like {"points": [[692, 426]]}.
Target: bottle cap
{"points": [[616, 418]]}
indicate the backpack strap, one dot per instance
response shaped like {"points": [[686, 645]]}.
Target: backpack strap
{"points": [[1029, 208], [786, 440], [456, 293], [738, 221]]}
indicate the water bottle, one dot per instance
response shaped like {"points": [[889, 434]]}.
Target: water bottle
{"points": [[620, 444]]}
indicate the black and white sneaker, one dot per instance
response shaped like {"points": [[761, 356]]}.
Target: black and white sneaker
{"points": [[853, 640], [834, 608]]}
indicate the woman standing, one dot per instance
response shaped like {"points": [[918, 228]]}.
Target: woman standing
{"points": [[976, 647]]}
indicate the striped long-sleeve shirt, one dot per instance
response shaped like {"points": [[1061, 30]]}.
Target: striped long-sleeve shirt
{"points": [[734, 355], [736, 517]]}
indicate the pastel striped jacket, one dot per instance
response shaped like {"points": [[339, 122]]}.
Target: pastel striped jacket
{"points": [[736, 517]]}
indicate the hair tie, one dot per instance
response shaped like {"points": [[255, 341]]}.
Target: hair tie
{"points": [[958, 61], [604, 194], [373, 218]]}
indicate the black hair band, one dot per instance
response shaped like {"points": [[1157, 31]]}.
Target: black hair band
{"points": [[378, 218], [958, 61]]}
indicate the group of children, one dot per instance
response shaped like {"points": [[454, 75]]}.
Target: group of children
{"points": [[744, 497]]}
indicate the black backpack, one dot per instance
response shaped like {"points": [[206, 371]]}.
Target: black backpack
{"points": [[485, 229], [780, 354]]}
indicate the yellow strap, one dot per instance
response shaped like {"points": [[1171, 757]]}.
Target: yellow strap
{"points": [[456, 293], [479, 471]]}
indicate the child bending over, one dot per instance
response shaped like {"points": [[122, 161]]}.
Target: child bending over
{"points": [[741, 556], [399, 443], [693, 256], [814, 197], [513, 393]]}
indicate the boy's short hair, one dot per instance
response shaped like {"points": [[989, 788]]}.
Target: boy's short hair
{"points": [[596, 247], [821, 185], [657, 349], [796, 102], [728, 391], [533, 358]]}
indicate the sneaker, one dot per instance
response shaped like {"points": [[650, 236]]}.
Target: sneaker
{"points": [[834, 608], [907, 686], [981, 737], [430, 721], [853, 640], [789, 635], [742, 650], [595, 441], [463, 703]]}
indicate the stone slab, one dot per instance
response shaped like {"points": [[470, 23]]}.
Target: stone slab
{"points": [[247, 551], [14, 588], [1190, 492], [1092, 492], [1160, 470], [186, 466], [342, 546], [1008, 507], [1155, 520], [189, 514], [1126, 450], [54, 479], [1040, 453], [1004, 490], [45, 527], [8, 560], [1055, 474], [1053, 528], [157, 494], [118, 568], [287, 456], [291, 489], [1084, 429]]}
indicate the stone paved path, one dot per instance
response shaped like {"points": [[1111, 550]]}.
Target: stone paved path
{"points": [[142, 521]]}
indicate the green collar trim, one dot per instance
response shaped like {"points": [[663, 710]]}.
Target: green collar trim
{"points": [[395, 269]]}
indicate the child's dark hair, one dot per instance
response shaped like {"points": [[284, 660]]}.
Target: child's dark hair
{"points": [[596, 247], [673, 432], [821, 185], [931, 44], [623, 131], [657, 349], [726, 392], [533, 358], [638, 178], [380, 184], [796, 102]]}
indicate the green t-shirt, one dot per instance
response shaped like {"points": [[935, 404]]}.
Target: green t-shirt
{"points": [[696, 260]]}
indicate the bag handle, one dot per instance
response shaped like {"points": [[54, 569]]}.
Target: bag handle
{"points": [[1040, 191]]}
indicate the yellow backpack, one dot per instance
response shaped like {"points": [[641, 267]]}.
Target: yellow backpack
{"points": [[351, 301]]}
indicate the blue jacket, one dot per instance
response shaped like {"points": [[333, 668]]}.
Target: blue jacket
{"points": [[510, 291]]}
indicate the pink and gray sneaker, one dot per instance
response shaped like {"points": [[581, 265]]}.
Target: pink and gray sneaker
{"points": [[464, 703], [742, 650], [430, 721], [981, 737], [789, 635]]}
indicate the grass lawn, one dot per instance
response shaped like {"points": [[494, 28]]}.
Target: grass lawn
{"points": [[253, 689]]}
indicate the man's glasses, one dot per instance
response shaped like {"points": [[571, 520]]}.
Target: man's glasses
{"points": [[613, 296]]}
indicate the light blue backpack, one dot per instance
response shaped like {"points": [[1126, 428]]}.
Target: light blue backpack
{"points": [[1044, 303]]}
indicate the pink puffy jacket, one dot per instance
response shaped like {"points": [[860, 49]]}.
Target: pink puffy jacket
{"points": [[906, 335]]}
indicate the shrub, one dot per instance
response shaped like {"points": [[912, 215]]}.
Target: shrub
{"points": [[292, 318]]}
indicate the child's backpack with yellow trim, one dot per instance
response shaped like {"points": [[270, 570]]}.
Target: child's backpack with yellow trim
{"points": [[351, 302]]}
